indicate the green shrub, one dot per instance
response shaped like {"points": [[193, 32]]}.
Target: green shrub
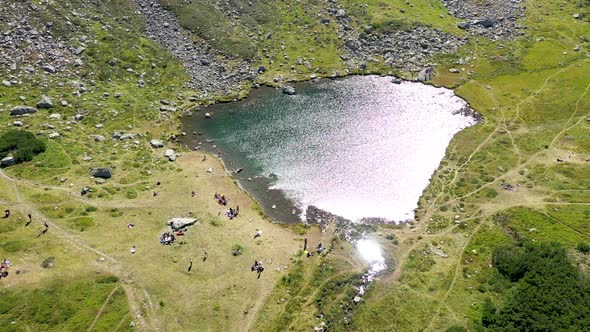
{"points": [[131, 193], [22, 144], [583, 247]]}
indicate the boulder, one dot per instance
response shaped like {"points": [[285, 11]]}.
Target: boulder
{"points": [[127, 136], [169, 152], [487, 23], [55, 116], [99, 138], [79, 117], [45, 102], [18, 123], [102, 172], [53, 135], [20, 110], [289, 90], [7, 161], [156, 143], [179, 223], [463, 25]]}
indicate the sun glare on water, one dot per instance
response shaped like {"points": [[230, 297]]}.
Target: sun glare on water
{"points": [[370, 251]]}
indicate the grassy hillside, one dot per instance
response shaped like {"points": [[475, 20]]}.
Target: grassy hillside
{"points": [[520, 176]]}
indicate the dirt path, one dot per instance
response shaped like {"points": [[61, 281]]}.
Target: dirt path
{"points": [[114, 268], [104, 305]]}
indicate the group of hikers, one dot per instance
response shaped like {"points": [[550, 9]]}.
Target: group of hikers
{"points": [[221, 199], [320, 248], [167, 238]]}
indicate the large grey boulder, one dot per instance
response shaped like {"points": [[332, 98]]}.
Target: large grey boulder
{"points": [[157, 143], [180, 223], [45, 102], [102, 172], [7, 161], [20, 110]]}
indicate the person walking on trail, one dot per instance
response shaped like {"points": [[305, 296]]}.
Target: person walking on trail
{"points": [[205, 255], [6, 213], [305, 244], [133, 250], [258, 233], [30, 217], [190, 266]]}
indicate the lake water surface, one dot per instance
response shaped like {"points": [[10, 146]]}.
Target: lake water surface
{"points": [[359, 147]]}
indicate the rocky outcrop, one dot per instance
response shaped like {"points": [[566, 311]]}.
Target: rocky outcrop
{"points": [[495, 19], [410, 50], [27, 48], [208, 73]]}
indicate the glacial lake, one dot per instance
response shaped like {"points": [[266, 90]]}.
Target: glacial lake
{"points": [[359, 147]]}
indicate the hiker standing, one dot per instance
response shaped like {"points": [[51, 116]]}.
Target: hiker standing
{"points": [[6, 213], [190, 266]]}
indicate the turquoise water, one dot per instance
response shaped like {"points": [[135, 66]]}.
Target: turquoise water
{"points": [[360, 147]]}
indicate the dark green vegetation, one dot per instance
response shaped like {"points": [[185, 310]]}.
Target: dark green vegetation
{"points": [[22, 145], [499, 185], [66, 305], [547, 290]]}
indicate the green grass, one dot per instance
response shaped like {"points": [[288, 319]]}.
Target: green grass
{"points": [[65, 305]]}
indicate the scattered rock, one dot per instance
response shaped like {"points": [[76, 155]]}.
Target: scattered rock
{"points": [[289, 90], [21, 110], [45, 102], [102, 172], [53, 135], [157, 143], [18, 123], [7, 161], [464, 25]]}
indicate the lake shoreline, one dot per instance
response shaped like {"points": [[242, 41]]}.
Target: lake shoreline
{"points": [[275, 203]]}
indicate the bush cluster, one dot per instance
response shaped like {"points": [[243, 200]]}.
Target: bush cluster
{"points": [[21, 144], [549, 292]]}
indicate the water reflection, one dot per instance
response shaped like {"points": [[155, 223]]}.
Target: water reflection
{"points": [[371, 252]]}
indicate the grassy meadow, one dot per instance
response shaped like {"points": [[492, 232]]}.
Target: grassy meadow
{"points": [[499, 185]]}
